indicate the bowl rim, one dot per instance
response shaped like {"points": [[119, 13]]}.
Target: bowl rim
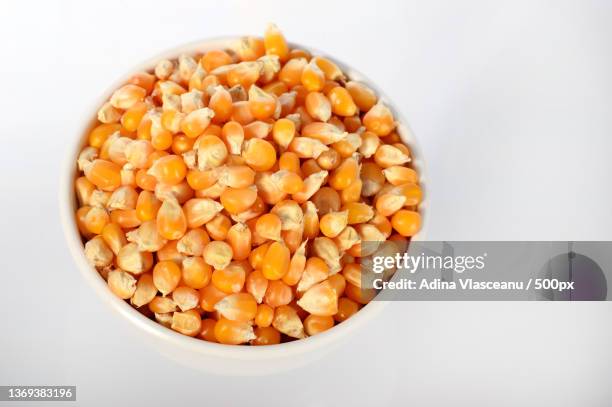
{"points": [[67, 206]]}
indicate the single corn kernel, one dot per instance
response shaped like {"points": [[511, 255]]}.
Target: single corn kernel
{"points": [[313, 77], [369, 144], [144, 80], [315, 324], [341, 101], [379, 120], [306, 147], [387, 156], [199, 211], [97, 252], [239, 237], [122, 284], [218, 254], [338, 283], [275, 43], [312, 183], [240, 307], [324, 132], [171, 220], [264, 316], [373, 179], [162, 305], [166, 276], [316, 270], [277, 88], [262, 104], [291, 72], [125, 218], [268, 226], [257, 284], [236, 176], [188, 323], [265, 336], [343, 176], [250, 48], [108, 114], [287, 321], [233, 332], [221, 103], [406, 223], [352, 193], [106, 175], [130, 120], [244, 74], [196, 273], [347, 238], [326, 200], [290, 215], [193, 242], [169, 170], [145, 291], [147, 206], [186, 298], [364, 97], [96, 219], [214, 59], [283, 132], [233, 135], [259, 154], [389, 203], [114, 237], [218, 227], [169, 252], [147, 237], [412, 193], [326, 249], [196, 122], [211, 152], [127, 96], [278, 293], [318, 106], [320, 300], [101, 133], [329, 160], [346, 309], [236, 200], [164, 69], [208, 330], [398, 175], [276, 261], [332, 223], [257, 129], [311, 220]]}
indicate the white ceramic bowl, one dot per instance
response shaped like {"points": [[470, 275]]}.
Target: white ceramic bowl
{"points": [[196, 353]]}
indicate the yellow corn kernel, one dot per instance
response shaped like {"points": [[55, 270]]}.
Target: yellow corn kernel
{"points": [[315, 271], [188, 323], [233, 332], [196, 122], [276, 261], [240, 307], [312, 77], [230, 279], [287, 321], [130, 120], [122, 284], [275, 43], [145, 291], [233, 135], [218, 254], [97, 252], [259, 154], [326, 249], [250, 48], [364, 97], [324, 132], [96, 219], [171, 220], [388, 156], [332, 223], [312, 183], [331, 70], [106, 175], [379, 120], [341, 101], [218, 227], [318, 106], [343, 176], [311, 220]]}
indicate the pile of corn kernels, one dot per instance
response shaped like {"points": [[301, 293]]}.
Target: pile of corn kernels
{"points": [[225, 195]]}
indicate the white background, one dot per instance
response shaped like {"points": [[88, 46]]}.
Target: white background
{"points": [[511, 102]]}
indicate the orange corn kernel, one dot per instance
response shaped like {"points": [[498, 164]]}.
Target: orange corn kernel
{"points": [[219, 255], [398, 175], [211, 152], [268, 226], [233, 332], [239, 237], [240, 307], [169, 169], [313, 77], [276, 261], [218, 227], [360, 296], [343, 176], [130, 120], [262, 104], [257, 284], [318, 106], [259, 154], [264, 316], [342, 103], [330, 69], [289, 161], [188, 323], [186, 298], [332, 223], [346, 309], [364, 97], [208, 330], [287, 321], [373, 179], [221, 103], [379, 120], [166, 276], [278, 293], [406, 223], [96, 219], [214, 59], [326, 200], [283, 132], [250, 48], [236, 200], [125, 218], [196, 122], [114, 237], [233, 135], [171, 220], [127, 96], [276, 88], [196, 273], [387, 156], [275, 43], [104, 174], [315, 324]]}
